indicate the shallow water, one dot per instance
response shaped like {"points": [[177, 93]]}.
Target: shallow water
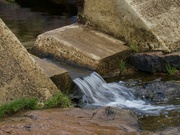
{"points": [[95, 92], [28, 21]]}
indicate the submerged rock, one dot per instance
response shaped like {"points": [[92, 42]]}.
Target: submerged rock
{"points": [[157, 91], [168, 131]]}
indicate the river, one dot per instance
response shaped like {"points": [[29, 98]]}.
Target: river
{"points": [[28, 21]]}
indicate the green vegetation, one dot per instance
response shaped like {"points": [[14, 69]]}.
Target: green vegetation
{"points": [[58, 100], [134, 47], [17, 105], [122, 66], [171, 70]]}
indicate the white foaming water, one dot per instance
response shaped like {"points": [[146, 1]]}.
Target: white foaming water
{"points": [[99, 93]]}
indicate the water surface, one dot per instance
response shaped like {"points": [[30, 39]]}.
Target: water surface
{"points": [[154, 115], [28, 21]]}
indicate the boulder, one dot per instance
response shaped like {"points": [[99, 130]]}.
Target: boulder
{"points": [[20, 76], [155, 61], [84, 47], [152, 24]]}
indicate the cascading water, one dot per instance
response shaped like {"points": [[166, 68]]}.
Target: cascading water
{"points": [[96, 92]]}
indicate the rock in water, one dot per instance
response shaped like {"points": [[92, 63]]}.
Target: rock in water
{"points": [[20, 76], [155, 61]]}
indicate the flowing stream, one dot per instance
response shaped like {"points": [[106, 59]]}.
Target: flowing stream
{"points": [[97, 93], [28, 21]]}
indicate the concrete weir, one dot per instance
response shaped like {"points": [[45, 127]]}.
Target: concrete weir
{"points": [[83, 46], [152, 24], [59, 76], [20, 75]]}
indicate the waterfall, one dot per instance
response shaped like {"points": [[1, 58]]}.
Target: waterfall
{"points": [[96, 92]]}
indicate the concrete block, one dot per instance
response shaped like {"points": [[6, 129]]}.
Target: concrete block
{"points": [[152, 24], [20, 76], [84, 47], [59, 76]]}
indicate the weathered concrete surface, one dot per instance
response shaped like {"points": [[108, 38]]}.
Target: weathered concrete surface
{"points": [[155, 61], [153, 24], [59, 76], [20, 76], [83, 46], [74, 121]]}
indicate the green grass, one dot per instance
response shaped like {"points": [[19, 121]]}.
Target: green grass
{"points": [[17, 105], [170, 69], [58, 100]]}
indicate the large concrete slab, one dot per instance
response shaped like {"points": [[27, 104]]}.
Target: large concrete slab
{"points": [[20, 76], [59, 76], [153, 24], [83, 46]]}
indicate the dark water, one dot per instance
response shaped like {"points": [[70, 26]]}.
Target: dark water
{"points": [[28, 20]]}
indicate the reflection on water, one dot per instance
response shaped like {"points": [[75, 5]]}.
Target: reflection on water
{"points": [[28, 22]]}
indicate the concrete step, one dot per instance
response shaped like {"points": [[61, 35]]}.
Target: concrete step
{"points": [[83, 46], [59, 76]]}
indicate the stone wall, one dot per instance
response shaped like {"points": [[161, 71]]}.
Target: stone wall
{"points": [[152, 24]]}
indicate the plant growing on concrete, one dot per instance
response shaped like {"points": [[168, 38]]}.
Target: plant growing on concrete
{"points": [[122, 66], [170, 69], [134, 46]]}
